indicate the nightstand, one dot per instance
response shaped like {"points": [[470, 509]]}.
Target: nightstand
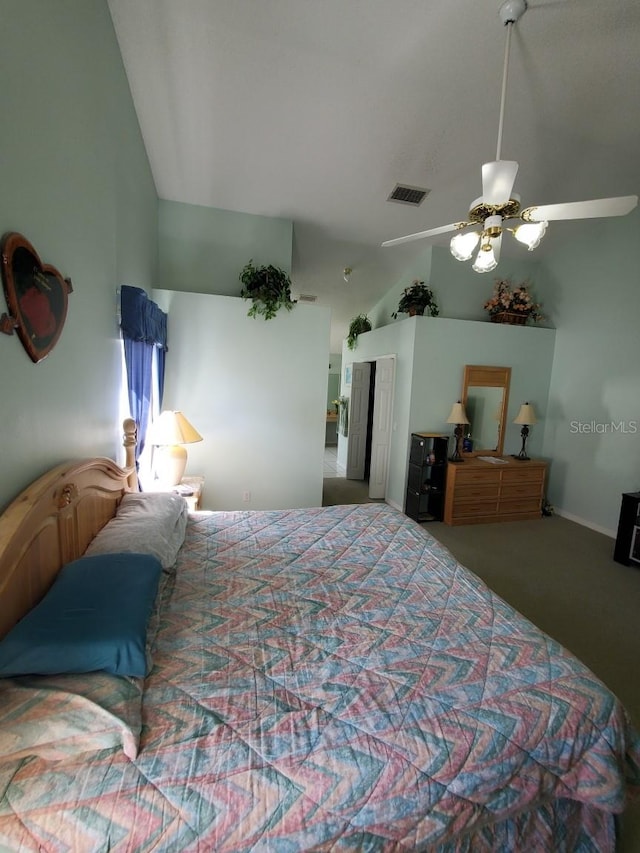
{"points": [[194, 500], [196, 484]]}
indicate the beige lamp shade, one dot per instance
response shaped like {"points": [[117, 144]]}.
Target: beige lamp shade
{"points": [[169, 432], [458, 414], [526, 415], [172, 428]]}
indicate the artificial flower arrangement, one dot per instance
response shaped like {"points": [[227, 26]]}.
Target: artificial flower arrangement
{"points": [[416, 299], [515, 300], [341, 401]]}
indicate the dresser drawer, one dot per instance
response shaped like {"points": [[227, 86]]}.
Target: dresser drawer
{"points": [[465, 476], [471, 491], [514, 490], [523, 475], [474, 508], [516, 505]]}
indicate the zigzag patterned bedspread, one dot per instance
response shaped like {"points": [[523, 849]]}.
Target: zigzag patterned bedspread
{"points": [[332, 679]]}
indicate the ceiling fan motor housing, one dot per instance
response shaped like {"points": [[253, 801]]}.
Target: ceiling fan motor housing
{"points": [[512, 11], [480, 210]]}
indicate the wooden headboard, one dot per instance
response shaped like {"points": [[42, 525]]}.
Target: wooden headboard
{"points": [[52, 523]]}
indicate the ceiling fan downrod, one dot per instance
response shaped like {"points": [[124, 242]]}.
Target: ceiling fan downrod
{"points": [[510, 13]]}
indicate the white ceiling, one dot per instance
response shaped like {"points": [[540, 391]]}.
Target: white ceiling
{"points": [[313, 110]]}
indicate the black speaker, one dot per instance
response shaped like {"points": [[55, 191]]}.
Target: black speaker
{"points": [[627, 549]]}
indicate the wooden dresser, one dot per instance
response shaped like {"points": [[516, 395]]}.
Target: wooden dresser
{"points": [[478, 492]]}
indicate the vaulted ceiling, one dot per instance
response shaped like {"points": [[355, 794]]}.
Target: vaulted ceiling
{"points": [[313, 110]]}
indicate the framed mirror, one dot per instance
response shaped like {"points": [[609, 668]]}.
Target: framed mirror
{"points": [[485, 396]]}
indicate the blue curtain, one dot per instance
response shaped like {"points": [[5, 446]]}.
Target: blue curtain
{"points": [[144, 329]]}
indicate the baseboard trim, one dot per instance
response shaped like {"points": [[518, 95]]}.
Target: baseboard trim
{"points": [[393, 504], [583, 521]]}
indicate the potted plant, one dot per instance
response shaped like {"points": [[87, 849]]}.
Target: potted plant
{"points": [[358, 325], [513, 305], [269, 287], [417, 299]]}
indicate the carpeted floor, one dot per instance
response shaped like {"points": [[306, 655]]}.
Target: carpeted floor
{"points": [[338, 490], [562, 577]]}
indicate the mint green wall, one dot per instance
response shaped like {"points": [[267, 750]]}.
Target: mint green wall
{"points": [[203, 250], [460, 292], [76, 183], [590, 291], [439, 372], [592, 285], [333, 383], [431, 353], [260, 412], [420, 268]]}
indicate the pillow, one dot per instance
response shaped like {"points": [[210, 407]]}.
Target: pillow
{"points": [[145, 523], [56, 717], [94, 617]]}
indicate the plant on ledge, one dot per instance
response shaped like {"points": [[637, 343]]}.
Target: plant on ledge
{"points": [[416, 300], [512, 304], [269, 287], [358, 325]]}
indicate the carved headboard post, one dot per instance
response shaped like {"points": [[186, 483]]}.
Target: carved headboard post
{"points": [[130, 440]]}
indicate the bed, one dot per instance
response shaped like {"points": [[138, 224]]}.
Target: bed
{"points": [[321, 679]]}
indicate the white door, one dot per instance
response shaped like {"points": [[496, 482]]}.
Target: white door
{"points": [[381, 430], [358, 412]]}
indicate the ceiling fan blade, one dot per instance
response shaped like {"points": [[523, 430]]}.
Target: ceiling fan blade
{"points": [[454, 226], [599, 207], [498, 178]]}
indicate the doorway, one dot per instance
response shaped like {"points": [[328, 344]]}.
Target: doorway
{"points": [[370, 422]]}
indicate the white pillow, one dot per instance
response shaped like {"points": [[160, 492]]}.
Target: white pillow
{"points": [[145, 523]]}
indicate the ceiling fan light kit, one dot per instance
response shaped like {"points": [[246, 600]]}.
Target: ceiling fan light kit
{"points": [[498, 209]]}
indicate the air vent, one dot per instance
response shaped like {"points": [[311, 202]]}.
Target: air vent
{"points": [[307, 297], [404, 194]]}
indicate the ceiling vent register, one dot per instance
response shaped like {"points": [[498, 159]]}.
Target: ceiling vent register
{"points": [[405, 194]]}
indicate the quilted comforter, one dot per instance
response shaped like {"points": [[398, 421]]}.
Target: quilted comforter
{"points": [[332, 679]]}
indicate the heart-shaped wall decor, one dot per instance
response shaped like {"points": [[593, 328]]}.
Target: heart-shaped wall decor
{"points": [[36, 294]]}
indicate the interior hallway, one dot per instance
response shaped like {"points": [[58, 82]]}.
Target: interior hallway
{"points": [[331, 466]]}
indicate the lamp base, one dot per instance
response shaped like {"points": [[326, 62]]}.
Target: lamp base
{"points": [[170, 462], [522, 456], [456, 456]]}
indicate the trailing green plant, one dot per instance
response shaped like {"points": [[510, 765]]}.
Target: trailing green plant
{"points": [[417, 299], [358, 325], [269, 287]]}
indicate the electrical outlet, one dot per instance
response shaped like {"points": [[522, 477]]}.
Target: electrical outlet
{"points": [[246, 497]]}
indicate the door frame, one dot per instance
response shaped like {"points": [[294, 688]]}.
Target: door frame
{"points": [[376, 359]]}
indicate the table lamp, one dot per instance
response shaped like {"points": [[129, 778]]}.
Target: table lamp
{"points": [[169, 433], [526, 417], [459, 417]]}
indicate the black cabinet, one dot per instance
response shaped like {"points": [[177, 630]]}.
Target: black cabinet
{"points": [[427, 476], [627, 549]]}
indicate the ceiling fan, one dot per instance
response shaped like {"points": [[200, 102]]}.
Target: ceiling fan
{"points": [[498, 208]]}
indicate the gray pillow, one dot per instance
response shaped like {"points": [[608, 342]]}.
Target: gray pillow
{"points": [[145, 523]]}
